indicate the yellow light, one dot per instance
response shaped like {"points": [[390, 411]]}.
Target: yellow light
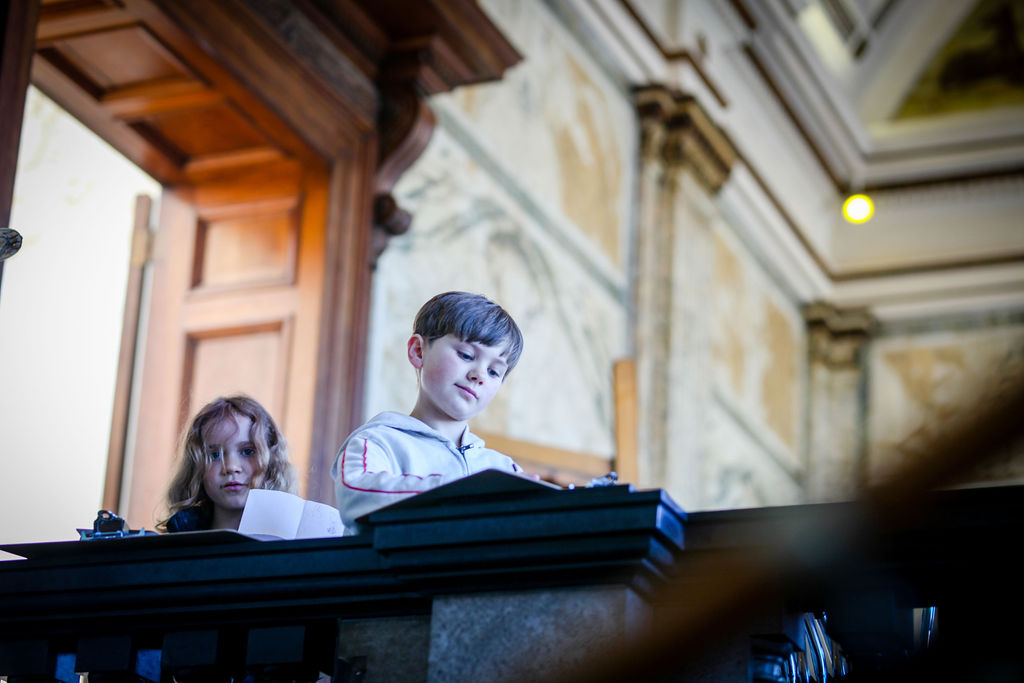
{"points": [[858, 208]]}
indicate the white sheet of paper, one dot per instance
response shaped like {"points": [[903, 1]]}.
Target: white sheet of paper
{"points": [[283, 515], [319, 520]]}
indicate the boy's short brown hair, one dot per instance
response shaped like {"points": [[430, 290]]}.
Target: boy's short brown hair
{"points": [[471, 318]]}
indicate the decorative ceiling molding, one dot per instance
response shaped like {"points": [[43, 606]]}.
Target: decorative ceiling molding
{"points": [[846, 110], [750, 66]]}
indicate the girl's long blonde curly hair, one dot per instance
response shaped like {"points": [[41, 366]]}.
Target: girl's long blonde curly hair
{"points": [[273, 469]]}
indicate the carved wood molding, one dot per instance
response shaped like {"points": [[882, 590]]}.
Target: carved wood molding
{"points": [[688, 138], [413, 69], [406, 123], [389, 220]]}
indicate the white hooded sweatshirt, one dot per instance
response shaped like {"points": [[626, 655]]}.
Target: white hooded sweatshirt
{"points": [[394, 456]]}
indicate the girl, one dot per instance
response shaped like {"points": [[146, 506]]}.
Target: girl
{"points": [[231, 446]]}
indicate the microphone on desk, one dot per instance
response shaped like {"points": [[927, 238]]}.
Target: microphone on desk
{"points": [[610, 479], [109, 525]]}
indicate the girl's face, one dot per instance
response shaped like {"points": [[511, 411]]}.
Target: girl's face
{"points": [[231, 469]]}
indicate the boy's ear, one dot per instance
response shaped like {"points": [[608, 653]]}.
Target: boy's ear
{"points": [[415, 346]]}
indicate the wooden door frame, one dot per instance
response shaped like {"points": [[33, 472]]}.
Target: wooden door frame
{"points": [[17, 45], [348, 83], [344, 316]]}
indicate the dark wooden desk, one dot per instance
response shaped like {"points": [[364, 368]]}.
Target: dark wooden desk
{"points": [[152, 594], [436, 575]]}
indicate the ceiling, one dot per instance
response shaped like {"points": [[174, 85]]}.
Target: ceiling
{"points": [[920, 103], [904, 91]]}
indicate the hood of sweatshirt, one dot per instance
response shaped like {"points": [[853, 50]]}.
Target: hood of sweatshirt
{"points": [[412, 425]]}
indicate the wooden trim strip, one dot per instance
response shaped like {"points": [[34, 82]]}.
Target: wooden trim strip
{"points": [[158, 96], [626, 450], [126, 356], [574, 466], [719, 97], [55, 26], [210, 163]]}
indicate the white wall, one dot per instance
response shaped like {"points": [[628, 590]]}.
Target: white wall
{"points": [[61, 307]]}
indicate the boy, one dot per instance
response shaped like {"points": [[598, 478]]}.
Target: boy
{"points": [[463, 346]]}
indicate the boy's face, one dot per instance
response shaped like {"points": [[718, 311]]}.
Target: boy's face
{"points": [[457, 378]]}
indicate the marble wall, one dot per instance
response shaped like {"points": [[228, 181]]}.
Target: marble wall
{"points": [[526, 194], [923, 378], [523, 195], [720, 349], [560, 125], [756, 439], [552, 193]]}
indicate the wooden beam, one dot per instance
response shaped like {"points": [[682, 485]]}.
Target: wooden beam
{"points": [[154, 97], [120, 135], [258, 57], [60, 21], [199, 167]]}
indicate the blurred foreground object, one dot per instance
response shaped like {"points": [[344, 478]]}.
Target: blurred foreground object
{"points": [[951, 554], [497, 577], [10, 243]]}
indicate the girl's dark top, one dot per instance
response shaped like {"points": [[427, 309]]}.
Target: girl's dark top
{"points": [[195, 518]]}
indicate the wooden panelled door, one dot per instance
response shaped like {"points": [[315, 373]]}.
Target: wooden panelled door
{"points": [[255, 117], [236, 268], [237, 272]]}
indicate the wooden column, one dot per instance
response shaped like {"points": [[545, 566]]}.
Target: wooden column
{"points": [[17, 43]]}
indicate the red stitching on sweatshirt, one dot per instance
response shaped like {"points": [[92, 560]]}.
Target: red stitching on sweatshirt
{"points": [[366, 442]]}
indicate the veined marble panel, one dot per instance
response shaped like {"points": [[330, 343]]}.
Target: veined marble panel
{"points": [[470, 234], [759, 345], [559, 126], [740, 473], [921, 382]]}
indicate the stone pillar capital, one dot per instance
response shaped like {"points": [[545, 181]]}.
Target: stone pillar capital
{"points": [[678, 130], [837, 335]]}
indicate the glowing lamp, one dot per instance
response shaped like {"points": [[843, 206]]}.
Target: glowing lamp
{"points": [[858, 208]]}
